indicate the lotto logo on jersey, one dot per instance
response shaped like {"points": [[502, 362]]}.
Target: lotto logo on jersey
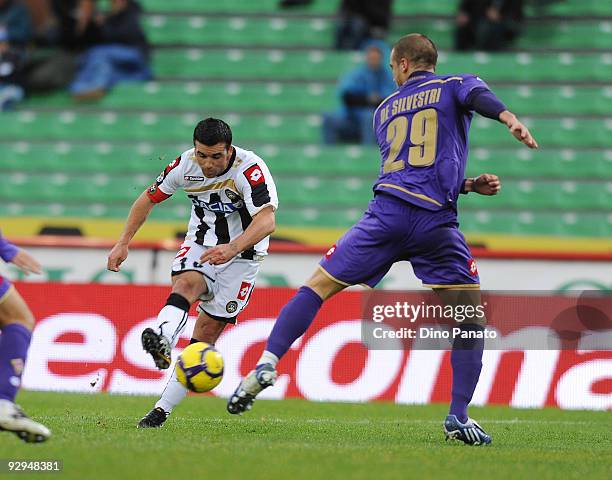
{"points": [[330, 252], [244, 290], [254, 175], [472, 267], [182, 252]]}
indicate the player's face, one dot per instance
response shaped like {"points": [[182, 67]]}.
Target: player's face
{"points": [[374, 58], [213, 160]]}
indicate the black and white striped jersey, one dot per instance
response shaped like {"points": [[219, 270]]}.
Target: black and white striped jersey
{"points": [[222, 207]]}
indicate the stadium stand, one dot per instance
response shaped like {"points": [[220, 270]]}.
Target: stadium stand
{"points": [[270, 73]]}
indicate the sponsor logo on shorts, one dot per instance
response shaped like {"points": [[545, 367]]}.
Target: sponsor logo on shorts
{"points": [[244, 290], [472, 267], [231, 307], [330, 252], [182, 252]]}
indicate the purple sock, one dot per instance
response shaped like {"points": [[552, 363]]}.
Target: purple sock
{"points": [[14, 343], [466, 360], [293, 320]]}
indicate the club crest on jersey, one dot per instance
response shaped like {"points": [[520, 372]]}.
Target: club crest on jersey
{"points": [[231, 307], [472, 267], [254, 175], [244, 290], [234, 198]]}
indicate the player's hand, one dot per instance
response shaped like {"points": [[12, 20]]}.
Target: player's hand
{"points": [[518, 130], [26, 262], [486, 184], [116, 257], [220, 254]]}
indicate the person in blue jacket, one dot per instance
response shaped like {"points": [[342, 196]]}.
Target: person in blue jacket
{"points": [[360, 92]]}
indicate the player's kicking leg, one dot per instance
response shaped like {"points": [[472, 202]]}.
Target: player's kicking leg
{"points": [[371, 238], [187, 286], [16, 323], [293, 320], [206, 330]]}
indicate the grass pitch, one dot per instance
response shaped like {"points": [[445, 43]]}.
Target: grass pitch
{"points": [[96, 438]]}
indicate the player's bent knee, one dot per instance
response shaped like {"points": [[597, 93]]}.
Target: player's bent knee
{"points": [[324, 286], [14, 309]]}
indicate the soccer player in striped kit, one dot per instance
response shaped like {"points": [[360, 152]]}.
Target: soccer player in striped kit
{"points": [[233, 214]]}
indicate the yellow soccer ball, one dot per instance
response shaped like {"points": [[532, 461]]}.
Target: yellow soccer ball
{"points": [[199, 367]]}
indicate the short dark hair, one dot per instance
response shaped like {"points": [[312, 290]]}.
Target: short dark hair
{"points": [[211, 131], [417, 48]]}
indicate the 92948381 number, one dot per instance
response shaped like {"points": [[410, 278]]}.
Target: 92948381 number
{"points": [[28, 466]]}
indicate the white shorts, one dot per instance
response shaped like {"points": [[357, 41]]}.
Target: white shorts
{"points": [[229, 285]]}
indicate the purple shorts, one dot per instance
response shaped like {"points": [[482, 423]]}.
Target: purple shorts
{"points": [[392, 230], [5, 285]]}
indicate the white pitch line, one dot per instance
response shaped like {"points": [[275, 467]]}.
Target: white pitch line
{"points": [[335, 421]]}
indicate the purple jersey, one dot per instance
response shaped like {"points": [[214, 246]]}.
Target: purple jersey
{"points": [[422, 131]]}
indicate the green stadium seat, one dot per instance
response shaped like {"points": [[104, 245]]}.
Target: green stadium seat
{"points": [[236, 30], [252, 129], [321, 65], [572, 8], [316, 97], [318, 7]]}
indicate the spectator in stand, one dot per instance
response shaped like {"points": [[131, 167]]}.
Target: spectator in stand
{"points": [[71, 28], [360, 21], [120, 55], [360, 92], [11, 66], [15, 19], [487, 24]]}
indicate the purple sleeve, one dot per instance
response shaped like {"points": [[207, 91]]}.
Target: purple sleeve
{"points": [[7, 250], [484, 101]]}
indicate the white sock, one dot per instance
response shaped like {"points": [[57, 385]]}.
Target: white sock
{"points": [[172, 321], [172, 394], [268, 357]]}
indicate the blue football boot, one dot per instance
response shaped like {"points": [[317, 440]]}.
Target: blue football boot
{"points": [[469, 432]]}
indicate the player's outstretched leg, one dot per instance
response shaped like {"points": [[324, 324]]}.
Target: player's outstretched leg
{"points": [[293, 320], [172, 320], [16, 322]]}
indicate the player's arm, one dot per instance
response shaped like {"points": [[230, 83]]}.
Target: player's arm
{"points": [[483, 184], [169, 179], [138, 214], [483, 101], [18, 257], [263, 224]]}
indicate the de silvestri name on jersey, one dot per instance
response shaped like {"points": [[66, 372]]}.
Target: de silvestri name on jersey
{"points": [[222, 207]]}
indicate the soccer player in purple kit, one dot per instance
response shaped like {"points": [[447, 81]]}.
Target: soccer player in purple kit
{"points": [[16, 324], [422, 132]]}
